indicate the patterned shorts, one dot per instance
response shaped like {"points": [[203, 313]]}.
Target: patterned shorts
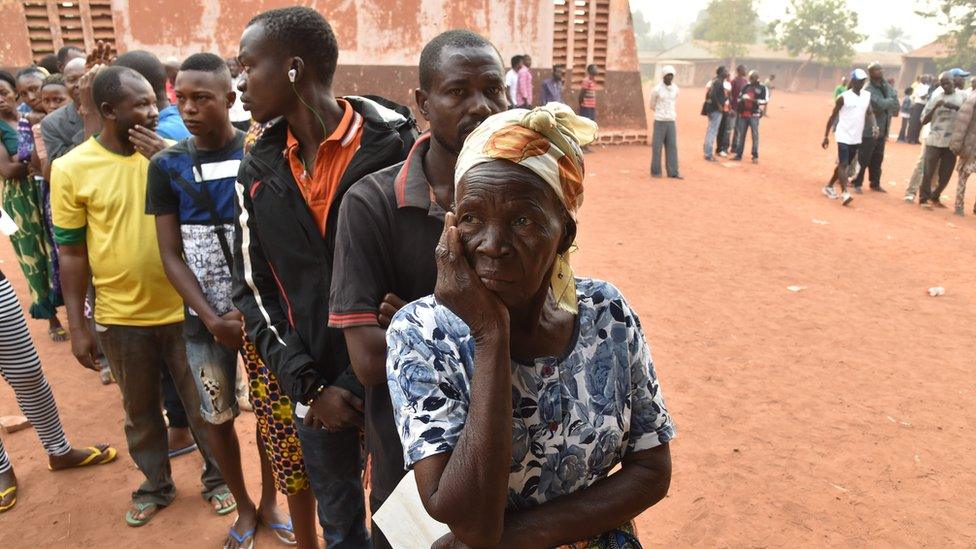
{"points": [[624, 537], [276, 423]]}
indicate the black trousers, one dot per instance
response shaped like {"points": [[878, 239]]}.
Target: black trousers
{"points": [[722, 142], [870, 156], [915, 123], [946, 160]]}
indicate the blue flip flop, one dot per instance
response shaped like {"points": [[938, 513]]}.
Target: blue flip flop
{"points": [[182, 451], [240, 538], [277, 529]]}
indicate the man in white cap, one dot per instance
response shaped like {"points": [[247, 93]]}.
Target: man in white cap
{"points": [[851, 114], [664, 102]]}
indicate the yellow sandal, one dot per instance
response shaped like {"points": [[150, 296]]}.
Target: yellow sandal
{"points": [[108, 456], [5, 493]]}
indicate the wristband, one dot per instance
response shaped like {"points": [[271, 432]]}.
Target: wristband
{"points": [[314, 394]]}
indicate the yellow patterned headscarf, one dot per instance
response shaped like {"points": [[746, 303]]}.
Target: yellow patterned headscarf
{"points": [[547, 141]]}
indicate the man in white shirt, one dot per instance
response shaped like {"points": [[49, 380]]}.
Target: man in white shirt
{"points": [[664, 102], [511, 80], [920, 92], [851, 113]]}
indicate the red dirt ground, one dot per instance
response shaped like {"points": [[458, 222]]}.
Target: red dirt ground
{"points": [[838, 415]]}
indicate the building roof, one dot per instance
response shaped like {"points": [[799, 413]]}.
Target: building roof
{"points": [[933, 50], [701, 50]]}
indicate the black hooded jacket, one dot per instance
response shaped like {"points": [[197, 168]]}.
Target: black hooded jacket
{"points": [[282, 263]]}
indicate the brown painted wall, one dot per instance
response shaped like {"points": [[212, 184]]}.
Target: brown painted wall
{"points": [[15, 47], [619, 106], [380, 40]]}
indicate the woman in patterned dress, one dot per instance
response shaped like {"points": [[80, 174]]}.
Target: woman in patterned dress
{"points": [[21, 198], [518, 387]]}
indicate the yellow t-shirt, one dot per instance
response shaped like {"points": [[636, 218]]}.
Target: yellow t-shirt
{"points": [[99, 197]]}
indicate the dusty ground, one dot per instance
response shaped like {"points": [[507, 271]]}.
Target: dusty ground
{"points": [[838, 415]]}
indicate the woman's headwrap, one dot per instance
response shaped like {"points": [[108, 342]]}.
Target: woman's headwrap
{"points": [[547, 141]]}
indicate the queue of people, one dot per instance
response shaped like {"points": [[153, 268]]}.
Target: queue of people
{"points": [[415, 291]]}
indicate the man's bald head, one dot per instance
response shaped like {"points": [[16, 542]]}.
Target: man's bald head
{"points": [[72, 72]]}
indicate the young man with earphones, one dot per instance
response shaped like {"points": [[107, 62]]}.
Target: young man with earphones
{"points": [[289, 189]]}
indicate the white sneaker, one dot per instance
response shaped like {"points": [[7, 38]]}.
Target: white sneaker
{"points": [[846, 198], [829, 192], [723, 154], [910, 198]]}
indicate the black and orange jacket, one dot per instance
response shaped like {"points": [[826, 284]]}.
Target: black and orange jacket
{"points": [[283, 263]]}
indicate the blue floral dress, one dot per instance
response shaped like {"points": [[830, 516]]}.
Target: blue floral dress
{"points": [[574, 417]]}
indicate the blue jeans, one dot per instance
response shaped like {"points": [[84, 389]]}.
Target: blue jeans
{"points": [[714, 119], [214, 369], [335, 467], [740, 145]]}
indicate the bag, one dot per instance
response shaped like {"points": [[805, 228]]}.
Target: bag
{"points": [[192, 326]]}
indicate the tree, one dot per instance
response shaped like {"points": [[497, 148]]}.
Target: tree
{"points": [[895, 41], [730, 25], [821, 30], [642, 30], [958, 17]]}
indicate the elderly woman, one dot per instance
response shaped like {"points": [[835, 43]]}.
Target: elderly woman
{"points": [[517, 388]]}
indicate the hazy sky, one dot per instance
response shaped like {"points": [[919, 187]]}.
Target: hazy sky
{"points": [[874, 16]]}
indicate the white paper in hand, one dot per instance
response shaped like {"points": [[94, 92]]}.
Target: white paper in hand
{"points": [[7, 225], [405, 522]]}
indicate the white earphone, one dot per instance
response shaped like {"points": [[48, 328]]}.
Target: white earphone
{"points": [[292, 74]]}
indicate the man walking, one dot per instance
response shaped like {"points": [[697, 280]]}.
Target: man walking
{"points": [[851, 114], [552, 87], [713, 108], [941, 111], [289, 189], [390, 223], [963, 144], [752, 98], [97, 201], [664, 99], [884, 104]]}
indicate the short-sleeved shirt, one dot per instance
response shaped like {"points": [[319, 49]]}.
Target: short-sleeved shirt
{"points": [[331, 161], [98, 197], [940, 131], [388, 229], [574, 417], [171, 172], [589, 93], [170, 125]]}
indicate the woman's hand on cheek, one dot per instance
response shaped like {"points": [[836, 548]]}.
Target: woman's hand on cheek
{"points": [[460, 289]]}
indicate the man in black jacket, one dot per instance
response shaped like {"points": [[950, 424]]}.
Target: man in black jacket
{"points": [[289, 189]]}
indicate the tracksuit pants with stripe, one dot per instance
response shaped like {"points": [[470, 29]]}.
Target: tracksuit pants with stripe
{"points": [[21, 368]]}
